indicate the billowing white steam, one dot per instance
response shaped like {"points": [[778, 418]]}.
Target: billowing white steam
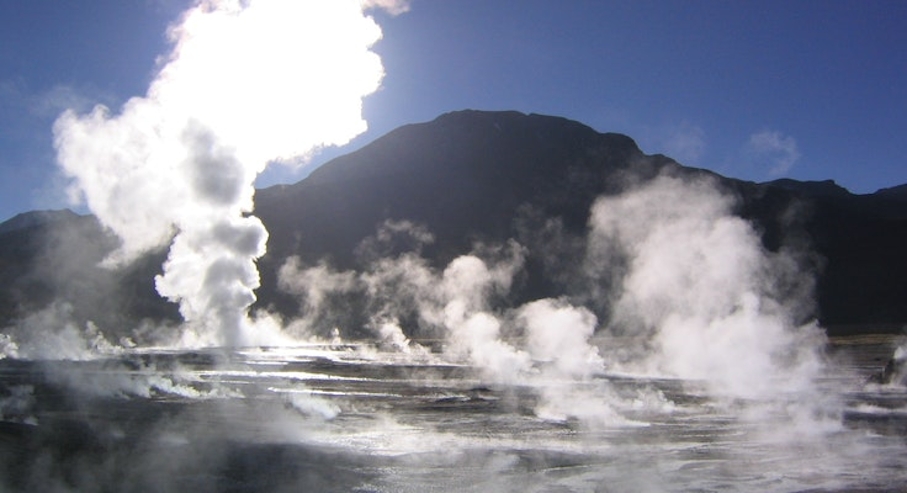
{"points": [[246, 83], [558, 334], [258, 81], [698, 292], [543, 344], [473, 331]]}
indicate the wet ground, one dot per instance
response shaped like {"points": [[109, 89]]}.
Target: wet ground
{"points": [[342, 417]]}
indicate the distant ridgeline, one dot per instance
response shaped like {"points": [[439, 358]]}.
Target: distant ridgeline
{"points": [[474, 181]]}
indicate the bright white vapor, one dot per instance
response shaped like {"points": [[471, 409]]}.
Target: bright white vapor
{"points": [[393, 7], [246, 83], [701, 290]]}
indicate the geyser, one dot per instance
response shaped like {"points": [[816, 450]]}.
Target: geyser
{"points": [[697, 296], [245, 84]]}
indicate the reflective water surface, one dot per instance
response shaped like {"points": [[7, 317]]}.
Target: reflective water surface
{"points": [[346, 417]]}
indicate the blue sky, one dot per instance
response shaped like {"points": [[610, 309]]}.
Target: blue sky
{"points": [[754, 90]]}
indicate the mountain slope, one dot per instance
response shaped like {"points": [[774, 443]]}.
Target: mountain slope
{"points": [[489, 176], [463, 174], [482, 178]]}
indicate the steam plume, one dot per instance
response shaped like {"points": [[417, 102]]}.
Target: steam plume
{"points": [[699, 290], [246, 83]]}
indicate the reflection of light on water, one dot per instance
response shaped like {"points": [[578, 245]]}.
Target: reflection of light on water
{"points": [[338, 393], [286, 375], [413, 424]]}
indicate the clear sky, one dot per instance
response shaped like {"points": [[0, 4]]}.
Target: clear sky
{"points": [[755, 90]]}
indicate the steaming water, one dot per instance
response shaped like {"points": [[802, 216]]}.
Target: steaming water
{"points": [[346, 417]]}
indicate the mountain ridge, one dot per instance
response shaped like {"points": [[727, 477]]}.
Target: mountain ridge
{"points": [[478, 177]]}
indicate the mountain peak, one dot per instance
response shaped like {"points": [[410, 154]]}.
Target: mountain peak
{"points": [[487, 178], [823, 188], [512, 120], [472, 116], [480, 138], [898, 192], [35, 218]]}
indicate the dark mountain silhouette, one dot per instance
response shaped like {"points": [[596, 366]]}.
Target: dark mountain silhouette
{"points": [[473, 177], [53, 257], [467, 176], [33, 219]]}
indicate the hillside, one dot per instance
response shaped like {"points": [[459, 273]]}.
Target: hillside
{"points": [[481, 178]]}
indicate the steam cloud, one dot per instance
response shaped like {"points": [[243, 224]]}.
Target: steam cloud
{"points": [[698, 292], [544, 344], [246, 83], [691, 293], [249, 83]]}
